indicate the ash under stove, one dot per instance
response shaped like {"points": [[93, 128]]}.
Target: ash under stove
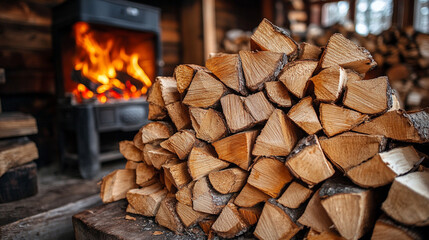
{"points": [[107, 53]]}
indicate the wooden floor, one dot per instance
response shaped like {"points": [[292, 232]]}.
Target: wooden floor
{"points": [[48, 215]]}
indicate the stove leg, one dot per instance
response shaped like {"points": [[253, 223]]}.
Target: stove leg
{"points": [[88, 144]]}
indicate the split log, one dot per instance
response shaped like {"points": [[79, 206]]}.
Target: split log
{"points": [[169, 93], [399, 125], [130, 209], [345, 150], [336, 119], [329, 83], [277, 222], [156, 156], [304, 115], [309, 51], [208, 124], [154, 131], [205, 91], [230, 224], [229, 180], [179, 114], [180, 143], [269, 175], [116, 185], [177, 173], [308, 162], [278, 136], [351, 209], [270, 37], [154, 95], [278, 94], [184, 194], [156, 112], [408, 199], [130, 151], [261, 67], [14, 124], [295, 76], [138, 141], [295, 195], [384, 167], [236, 116], [202, 161], [343, 52], [315, 216], [146, 201], [16, 152], [188, 215], [370, 96], [250, 196], [167, 215], [250, 214], [144, 174], [237, 148], [259, 107], [386, 229], [207, 200], [353, 75], [227, 67], [131, 165], [184, 74]]}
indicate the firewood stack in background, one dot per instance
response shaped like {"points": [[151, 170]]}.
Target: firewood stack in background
{"points": [[402, 55], [284, 140], [18, 172]]}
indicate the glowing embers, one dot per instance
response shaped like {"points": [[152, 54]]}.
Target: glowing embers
{"points": [[104, 69]]}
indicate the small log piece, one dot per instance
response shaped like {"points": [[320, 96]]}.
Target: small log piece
{"points": [[116, 185]]}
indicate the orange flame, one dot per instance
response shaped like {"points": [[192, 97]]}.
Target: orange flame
{"points": [[116, 73]]}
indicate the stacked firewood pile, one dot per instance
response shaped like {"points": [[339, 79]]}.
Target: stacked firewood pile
{"points": [[284, 140], [403, 55]]}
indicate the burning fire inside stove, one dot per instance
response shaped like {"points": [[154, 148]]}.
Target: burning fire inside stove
{"points": [[107, 67]]}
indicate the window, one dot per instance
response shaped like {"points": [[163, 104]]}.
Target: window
{"points": [[373, 16], [421, 16], [333, 13]]}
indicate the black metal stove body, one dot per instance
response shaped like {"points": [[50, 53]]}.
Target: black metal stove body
{"points": [[91, 122]]}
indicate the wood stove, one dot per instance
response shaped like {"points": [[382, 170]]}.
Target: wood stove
{"points": [[107, 53]]}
